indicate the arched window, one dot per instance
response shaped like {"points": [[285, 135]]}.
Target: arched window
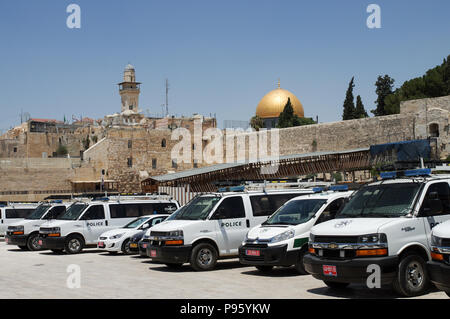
{"points": [[434, 130], [163, 143]]}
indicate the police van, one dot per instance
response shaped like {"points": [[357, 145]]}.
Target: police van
{"points": [[282, 240], [13, 213], [383, 235], [25, 232], [213, 226], [83, 222], [439, 266]]}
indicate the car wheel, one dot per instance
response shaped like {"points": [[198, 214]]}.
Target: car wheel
{"points": [[264, 268], [336, 285], [74, 245], [203, 257], [447, 292], [126, 247], [300, 266], [412, 277], [33, 242]]}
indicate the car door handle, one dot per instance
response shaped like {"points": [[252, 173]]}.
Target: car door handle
{"points": [[106, 223], [248, 223]]}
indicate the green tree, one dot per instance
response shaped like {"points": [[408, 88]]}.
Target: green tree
{"points": [[287, 118], [349, 104], [360, 111], [384, 87], [256, 123], [61, 150]]}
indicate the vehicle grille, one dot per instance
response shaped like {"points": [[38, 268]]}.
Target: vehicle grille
{"points": [[336, 239], [249, 245], [159, 233], [445, 242], [336, 253]]}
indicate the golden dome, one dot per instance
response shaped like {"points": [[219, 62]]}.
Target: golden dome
{"points": [[273, 103]]}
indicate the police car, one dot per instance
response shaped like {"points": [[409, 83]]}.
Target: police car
{"points": [[25, 233], [213, 226], [384, 230], [282, 240], [439, 266], [119, 240], [84, 221], [14, 212]]}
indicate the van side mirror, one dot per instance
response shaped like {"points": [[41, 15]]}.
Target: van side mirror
{"points": [[433, 196], [432, 207], [220, 213]]}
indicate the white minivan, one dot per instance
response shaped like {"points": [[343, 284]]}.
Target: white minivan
{"points": [[439, 265], [213, 226], [83, 222], [282, 240], [13, 213], [384, 228], [25, 233]]}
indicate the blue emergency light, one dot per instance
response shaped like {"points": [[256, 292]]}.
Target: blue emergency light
{"points": [[317, 189], [339, 188], [418, 172]]}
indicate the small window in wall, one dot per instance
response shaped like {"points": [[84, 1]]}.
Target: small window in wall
{"points": [[130, 143], [434, 130], [195, 164], [174, 164], [130, 162], [15, 149], [154, 163], [130, 107], [163, 143]]}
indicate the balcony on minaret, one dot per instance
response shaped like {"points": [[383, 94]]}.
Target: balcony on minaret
{"points": [[129, 86]]}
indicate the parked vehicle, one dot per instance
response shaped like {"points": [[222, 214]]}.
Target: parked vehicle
{"points": [[14, 212], [25, 233], [213, 226], [83, 222], [387, 224], [282, 240], [119, 240], [439, 266], [134, 242]]}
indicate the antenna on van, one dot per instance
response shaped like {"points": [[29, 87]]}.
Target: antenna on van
{"points": [[264, 186]]}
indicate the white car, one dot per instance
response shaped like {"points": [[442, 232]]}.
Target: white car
{"points": [[282, 240], [439, 266], [386, 225], [118, 240], [213, 226]]}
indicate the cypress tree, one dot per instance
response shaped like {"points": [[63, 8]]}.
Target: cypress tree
{"points": [[384, 87], [360, 112], [349, 105], [287, 118]]}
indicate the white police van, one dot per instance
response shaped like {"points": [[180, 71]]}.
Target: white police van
{"points": [[213, 226], [119, 239], [439, 266], [383, 235], [25, 232], [83, 222], [13, 213], [282, 240]]}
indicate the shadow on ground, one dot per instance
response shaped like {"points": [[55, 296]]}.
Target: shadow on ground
{"points": [[221, 265]]}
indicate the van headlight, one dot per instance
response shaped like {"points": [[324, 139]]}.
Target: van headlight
{"points": [[436, 241], [175, 234], [372, 239], [283, 236]]}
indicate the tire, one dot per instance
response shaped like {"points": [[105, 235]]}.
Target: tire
{"points": [[203, 257], [412, 277], [33, 243], [447, 292], [264, 268], [300, 266], [23, 247], [126, 247], [74, 244], [336, 285], [174, 266], [57, 251]]}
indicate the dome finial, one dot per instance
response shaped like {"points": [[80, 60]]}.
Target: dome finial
{"points": [[278, 82]]}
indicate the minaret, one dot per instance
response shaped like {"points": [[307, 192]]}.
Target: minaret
{"points": [[129, 90]]}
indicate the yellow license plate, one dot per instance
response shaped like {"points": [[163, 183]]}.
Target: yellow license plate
{"points": [[133, 245]]}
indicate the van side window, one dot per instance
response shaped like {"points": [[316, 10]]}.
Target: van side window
{"points": [[165, 208], [55, 212], [437, 200], [94, 212], [331, 210], [125, 210], [231, 207], [18, 213], [266, 205]]}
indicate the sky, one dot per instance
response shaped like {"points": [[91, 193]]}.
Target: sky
{"points": [[221, 57]]}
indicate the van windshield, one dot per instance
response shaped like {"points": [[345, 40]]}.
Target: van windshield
{"points": [[295, 212], [39, 212], [73, 211], [383, 200], [197, 209]]}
